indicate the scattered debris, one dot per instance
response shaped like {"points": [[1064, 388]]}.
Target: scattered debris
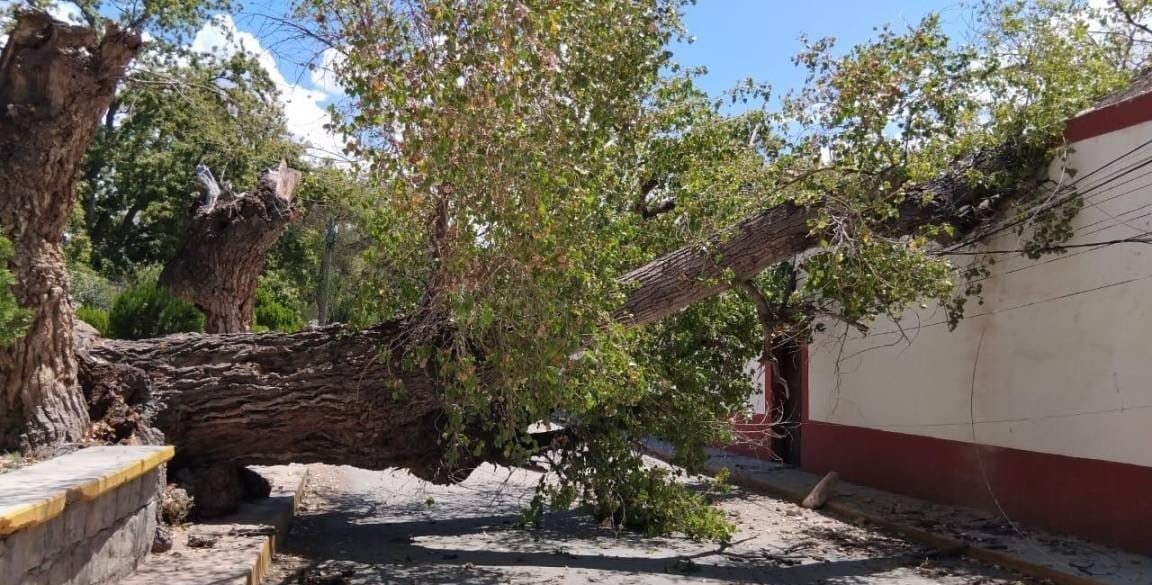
{"points": [[162, 542], [201, 541], [685, 566], [175, 503], [822, 492], [316, 576]]}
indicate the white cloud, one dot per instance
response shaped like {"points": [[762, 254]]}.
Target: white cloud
{"points": [[324, 74], [303, 107]]}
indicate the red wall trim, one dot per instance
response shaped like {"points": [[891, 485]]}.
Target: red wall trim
{"points": [[1106, 502], [1110, 118]]}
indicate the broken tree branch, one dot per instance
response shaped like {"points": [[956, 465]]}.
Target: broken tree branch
{"points": [[219, 263]]}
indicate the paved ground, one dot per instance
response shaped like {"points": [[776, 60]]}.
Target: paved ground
{"points": [[365, 527], [989, 531]]}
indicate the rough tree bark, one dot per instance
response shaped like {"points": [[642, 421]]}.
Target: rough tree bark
{"points": [[321, 395], [219, 263], [324, 395], [55, 82]]}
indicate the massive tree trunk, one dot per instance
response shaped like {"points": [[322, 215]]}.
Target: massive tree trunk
{"points": [[325, 395], [219, 263], [55, 82], [316, 396]]}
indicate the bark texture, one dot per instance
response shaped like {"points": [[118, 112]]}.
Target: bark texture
{"points": [[323, 395], [219, 263], [55, 82]]}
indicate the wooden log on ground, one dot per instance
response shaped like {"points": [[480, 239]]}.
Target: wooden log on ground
{"points": [[821, 493]]}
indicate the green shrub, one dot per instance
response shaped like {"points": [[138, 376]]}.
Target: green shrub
{"points": [[13, 318], [95, 317], [147, 310], [89, 288], [273, 315]]}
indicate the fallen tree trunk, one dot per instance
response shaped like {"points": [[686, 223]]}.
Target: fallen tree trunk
{"points": [[315, 396], [55, 82], [325, 395], [219, 263]]}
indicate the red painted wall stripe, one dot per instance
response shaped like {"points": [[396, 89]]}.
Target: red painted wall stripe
{"points": [[1111, 118], [1103, 501]]}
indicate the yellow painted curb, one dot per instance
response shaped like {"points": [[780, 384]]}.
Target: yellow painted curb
{"points": [[31, 514], [263, 562], [39, 512], [846, 512], [101, 485], [267, 551]]}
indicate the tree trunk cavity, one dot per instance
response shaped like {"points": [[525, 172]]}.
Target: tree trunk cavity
{"points": [[219, 263], [55, 82]]}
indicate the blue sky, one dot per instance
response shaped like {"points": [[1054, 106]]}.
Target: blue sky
{"points": [[736, 39]]}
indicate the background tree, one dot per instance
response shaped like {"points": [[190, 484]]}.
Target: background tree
{"points": [[13, 318], [321, 266], [167, 118]]}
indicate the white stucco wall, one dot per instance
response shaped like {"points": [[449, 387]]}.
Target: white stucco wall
{"points": [[1065, 361]]}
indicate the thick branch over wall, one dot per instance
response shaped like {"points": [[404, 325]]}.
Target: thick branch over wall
{"points": [[692, 274], [55, 82]]}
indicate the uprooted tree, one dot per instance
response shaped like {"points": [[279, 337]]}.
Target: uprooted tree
{"points": [[528, 157]]}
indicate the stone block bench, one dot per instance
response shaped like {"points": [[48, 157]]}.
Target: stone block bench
{"points": [[86, 518]]}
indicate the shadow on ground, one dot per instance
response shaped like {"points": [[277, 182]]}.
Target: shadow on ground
{"points": [[426, 535]]}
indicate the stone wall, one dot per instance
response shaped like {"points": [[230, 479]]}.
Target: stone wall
{"points": [[83, 519]]}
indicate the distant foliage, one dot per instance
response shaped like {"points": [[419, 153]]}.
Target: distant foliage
{"points": [[147, 310], [89, 288], [13, 318], [273, 314], [95, 317]]}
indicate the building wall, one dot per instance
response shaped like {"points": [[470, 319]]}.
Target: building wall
{"points": [[1040, 402]]}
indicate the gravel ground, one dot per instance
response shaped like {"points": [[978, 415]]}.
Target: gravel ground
{"points": [[370, 527]]}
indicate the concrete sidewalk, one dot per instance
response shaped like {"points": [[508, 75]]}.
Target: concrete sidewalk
{"points": [[387, 527], [236, 549], [987, 537]]}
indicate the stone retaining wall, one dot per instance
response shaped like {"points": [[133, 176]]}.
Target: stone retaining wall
{"points": [[86, 518]]}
